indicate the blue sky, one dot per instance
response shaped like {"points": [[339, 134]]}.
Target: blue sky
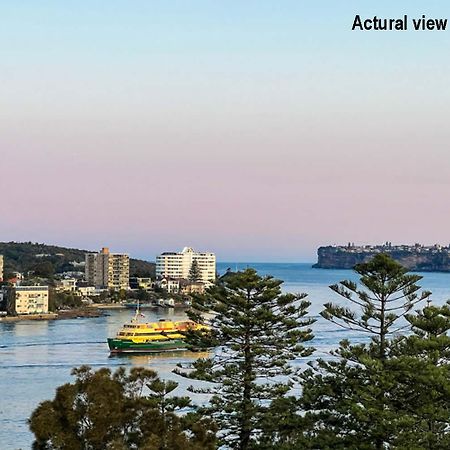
{"points": [[259, 130]]}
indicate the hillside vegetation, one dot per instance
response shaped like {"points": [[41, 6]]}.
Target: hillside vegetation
{"points": [[46, 260]]}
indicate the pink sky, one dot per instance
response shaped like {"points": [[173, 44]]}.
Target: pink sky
{"points": [[260, 152]]}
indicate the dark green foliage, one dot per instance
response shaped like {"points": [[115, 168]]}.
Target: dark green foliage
{"points": [[347, 402], [159, 398], [422, 365], [21, 257], [101, 410], [259, 331], [195, 273], [392, 392], [44, 269], [388, 293], [430, 339], [368, 395], [282, 426], [118, 295], [63, 300], [143, 296], [141, 268]]}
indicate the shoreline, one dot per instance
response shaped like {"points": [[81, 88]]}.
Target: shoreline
{"points": [[60, 315], [93, 311], [107, 306], [141, 306]]}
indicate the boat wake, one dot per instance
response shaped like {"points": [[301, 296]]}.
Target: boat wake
{"points": [[48, 344]]}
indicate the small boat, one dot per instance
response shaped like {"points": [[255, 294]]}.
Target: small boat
{"points": [[152, 337]]}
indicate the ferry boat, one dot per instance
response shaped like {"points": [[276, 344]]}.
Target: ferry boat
{"points": [[152, 337]]}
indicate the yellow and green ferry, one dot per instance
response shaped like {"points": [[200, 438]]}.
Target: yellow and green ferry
{"points": [[152, 337]]}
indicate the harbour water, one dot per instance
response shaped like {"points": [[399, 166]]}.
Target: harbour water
{"points": [[36, 357]]}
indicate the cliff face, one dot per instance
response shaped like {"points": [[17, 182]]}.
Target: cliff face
{"points": [[417, 259]]}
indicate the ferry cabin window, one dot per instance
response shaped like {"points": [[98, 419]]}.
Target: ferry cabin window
{"points": [[147, 334], [156, 334]]}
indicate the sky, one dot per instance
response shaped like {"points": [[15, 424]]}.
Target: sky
{"points": [[258, 130]]}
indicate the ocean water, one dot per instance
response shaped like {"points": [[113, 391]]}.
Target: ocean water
{"points": [[36, 357]]}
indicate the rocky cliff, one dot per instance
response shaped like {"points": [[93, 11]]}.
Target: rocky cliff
{"points": [[416, 258]]}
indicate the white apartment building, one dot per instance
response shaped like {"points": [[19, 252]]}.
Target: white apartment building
{"points": [[106, 270], [177, 265], [1, 267], [66, 285], [30, 299]]}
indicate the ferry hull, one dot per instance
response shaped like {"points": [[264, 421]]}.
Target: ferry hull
{"points": [[117, 346]]}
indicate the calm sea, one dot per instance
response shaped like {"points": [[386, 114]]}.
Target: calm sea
{"points": [[36, 357]]}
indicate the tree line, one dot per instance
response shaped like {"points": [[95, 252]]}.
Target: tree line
{"points": [[43, 260], [389, 391]]}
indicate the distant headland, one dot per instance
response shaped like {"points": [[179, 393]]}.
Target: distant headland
{"points": [[415, 257]]}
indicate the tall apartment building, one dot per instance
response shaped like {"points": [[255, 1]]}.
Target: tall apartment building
{"points": [[106, 270], [1, 267], [30, 299], [177, 265]]}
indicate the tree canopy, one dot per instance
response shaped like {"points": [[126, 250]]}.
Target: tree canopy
{"points": [[258, 331], [46, 260], [361, 398], [195, 273], [386, 388], [120, 411]]}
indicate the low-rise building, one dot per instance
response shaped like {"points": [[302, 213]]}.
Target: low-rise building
{"points": [[29, 299], [180, 286], [141, 283], [15, 278], [18, 276], [88, 291], [192, 287], [171, 285], [66, 285]]}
